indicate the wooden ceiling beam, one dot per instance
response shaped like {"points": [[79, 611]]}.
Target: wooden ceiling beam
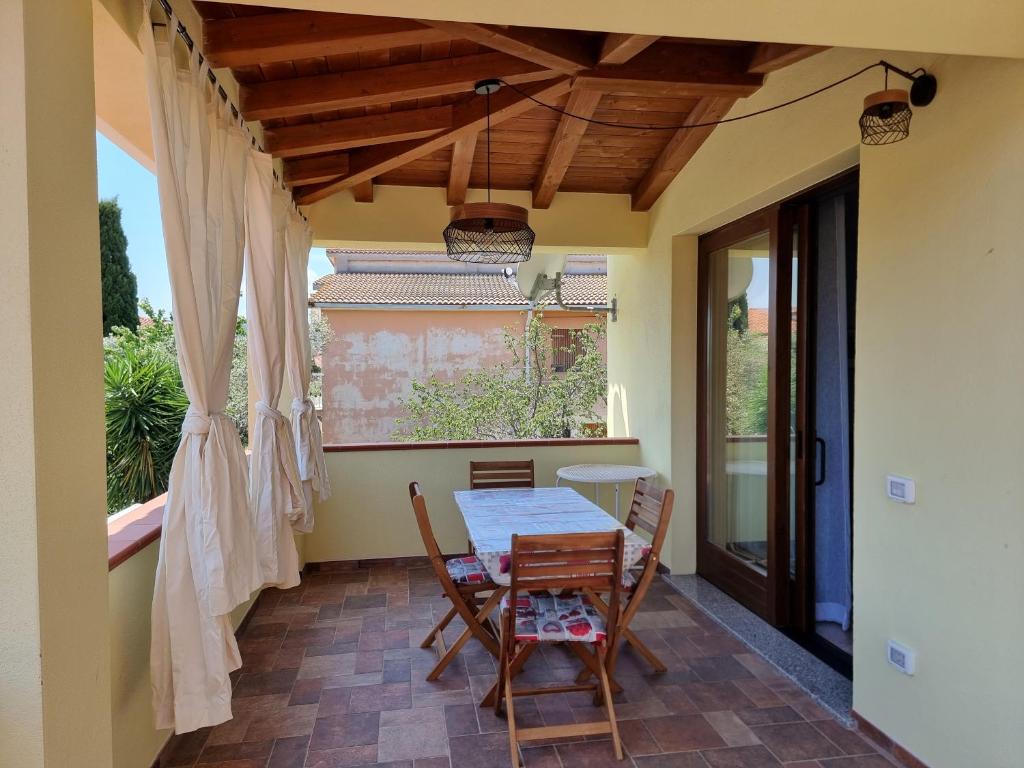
{"points": [[469, 117], [559, 50], [334, 135], [563, 145], [768, 57], [271, 37], [315, 169], [677, 153], [618, 47], [382, 85], [363, 192], [462, 163], [674, 71]]}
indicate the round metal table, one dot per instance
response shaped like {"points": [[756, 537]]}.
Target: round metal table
{"points": [[599, 474]]}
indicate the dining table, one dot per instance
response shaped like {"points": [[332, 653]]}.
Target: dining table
{"points": [[493, 515]]}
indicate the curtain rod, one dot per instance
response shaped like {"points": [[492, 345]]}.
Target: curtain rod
{"points": [[182, 31]]}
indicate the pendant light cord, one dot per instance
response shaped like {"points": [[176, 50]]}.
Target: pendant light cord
{"points": [[488, 145], [647, 127]]}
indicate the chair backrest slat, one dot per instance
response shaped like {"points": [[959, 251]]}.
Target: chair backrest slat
{"points": [[501, 474], [650, 511], [419, 506], [570, 561]]}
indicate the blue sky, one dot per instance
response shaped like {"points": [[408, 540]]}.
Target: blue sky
{"points": [[134, 186]]}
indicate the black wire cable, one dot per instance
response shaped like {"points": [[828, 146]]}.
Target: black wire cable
{"points": [[736, 118]]}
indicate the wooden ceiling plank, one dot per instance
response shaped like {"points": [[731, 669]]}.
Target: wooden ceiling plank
{"points": [[273, 37], [768, 57], [470, 117], [363, 193], [315, 169], [563, 145], [463, 151], [560, 50], [667, 70], [334, 135], [619, 47], [382, 85], [677, 153]]}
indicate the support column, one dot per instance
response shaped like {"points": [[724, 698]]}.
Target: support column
{"points": [[54, 635]]}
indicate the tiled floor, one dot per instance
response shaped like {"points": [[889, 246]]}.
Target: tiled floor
{"points": [[334, 676]]}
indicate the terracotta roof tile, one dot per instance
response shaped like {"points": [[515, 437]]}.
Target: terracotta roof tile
{"points": [[446, 289]]}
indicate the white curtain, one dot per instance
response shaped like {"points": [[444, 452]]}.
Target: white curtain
{"points": [[207, 562], [274, 486], [298, 364]]}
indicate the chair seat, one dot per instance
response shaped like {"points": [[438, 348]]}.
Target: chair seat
{"points": [[467, 570], [546, 618]]}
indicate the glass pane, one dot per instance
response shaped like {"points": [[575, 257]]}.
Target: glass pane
{"points": [[738, 399], [793, 353]]}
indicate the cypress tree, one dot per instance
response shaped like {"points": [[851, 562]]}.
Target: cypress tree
{"points": [[120, 290]]}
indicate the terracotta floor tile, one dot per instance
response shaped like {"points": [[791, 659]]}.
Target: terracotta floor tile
{"points": [[540, 757], [306, 638], [489, 750], [844, 738], [769, 715], [263, 683], [328, 612], [364, 601], [219, 753], [289, 752], [714, 669], [740, 757], [714, 697], [796, 741], [348, 730], [759, 693], [184, 749], [673, 760], [678, 733], [306, 691], [460, 719], [733, 730], [592, 754], [862, 761], [291, 721], [375, 698], [432, 762], [397, 670], [636, 739], [342, 757]]}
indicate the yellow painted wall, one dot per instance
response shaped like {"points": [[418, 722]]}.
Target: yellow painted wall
{"points": [[940, 367], [369, 514], [581, 222], [136, 743], [54, 661], [987, 27]]}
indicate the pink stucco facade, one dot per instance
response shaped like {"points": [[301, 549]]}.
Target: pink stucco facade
{"points": [[377, 353]]}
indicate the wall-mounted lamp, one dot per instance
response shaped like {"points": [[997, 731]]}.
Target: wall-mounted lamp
{"points": [[887, 113]]}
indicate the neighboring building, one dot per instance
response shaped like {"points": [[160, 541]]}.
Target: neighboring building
{"points": [[404, 315]]}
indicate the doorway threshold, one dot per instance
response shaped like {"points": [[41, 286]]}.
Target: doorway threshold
{"points": [[829, 688]]}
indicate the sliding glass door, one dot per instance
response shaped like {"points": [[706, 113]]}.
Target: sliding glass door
{"points": [[750, 452]]}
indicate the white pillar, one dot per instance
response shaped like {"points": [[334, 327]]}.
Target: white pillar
{"points": [[54, 636]]}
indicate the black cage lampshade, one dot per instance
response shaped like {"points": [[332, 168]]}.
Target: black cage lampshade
{"points": [[489, 233], [886, 117]]}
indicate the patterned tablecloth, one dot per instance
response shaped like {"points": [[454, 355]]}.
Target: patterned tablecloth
{"points": [[492, 516]]}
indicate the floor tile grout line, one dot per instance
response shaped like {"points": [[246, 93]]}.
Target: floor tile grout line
{"points": [[842, 717]]}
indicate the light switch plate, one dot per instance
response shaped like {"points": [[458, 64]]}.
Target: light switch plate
{"points": [[900, 489]]}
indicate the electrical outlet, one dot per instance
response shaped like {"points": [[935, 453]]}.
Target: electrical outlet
{"points": [[901, 657]]}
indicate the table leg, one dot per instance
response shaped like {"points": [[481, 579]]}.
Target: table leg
{"points": [[597, 498], [616, 501]]}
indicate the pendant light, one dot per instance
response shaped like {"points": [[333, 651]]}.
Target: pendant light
{"points": [[489, 233], [887, 113]]}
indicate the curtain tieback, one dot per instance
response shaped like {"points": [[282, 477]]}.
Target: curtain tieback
{"points": [[303, 407], [197, 423], [270, 413]]}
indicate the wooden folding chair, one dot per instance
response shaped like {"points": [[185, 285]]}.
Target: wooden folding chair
{"points": [[650, 511], [544, 604], [500, 474], [464, 579]]}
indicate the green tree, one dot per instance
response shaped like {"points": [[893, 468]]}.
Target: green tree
{"points": [[514, 399], [120, 290]]}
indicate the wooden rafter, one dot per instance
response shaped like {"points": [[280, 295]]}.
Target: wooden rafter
{"points": [[264, 38], [768, 57], [559, 50], [334, 135], [462, 163], [618, 47], [382, 85], [470, 117], [363, 192], [677, 153], [563, 145], [315, 168]]}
